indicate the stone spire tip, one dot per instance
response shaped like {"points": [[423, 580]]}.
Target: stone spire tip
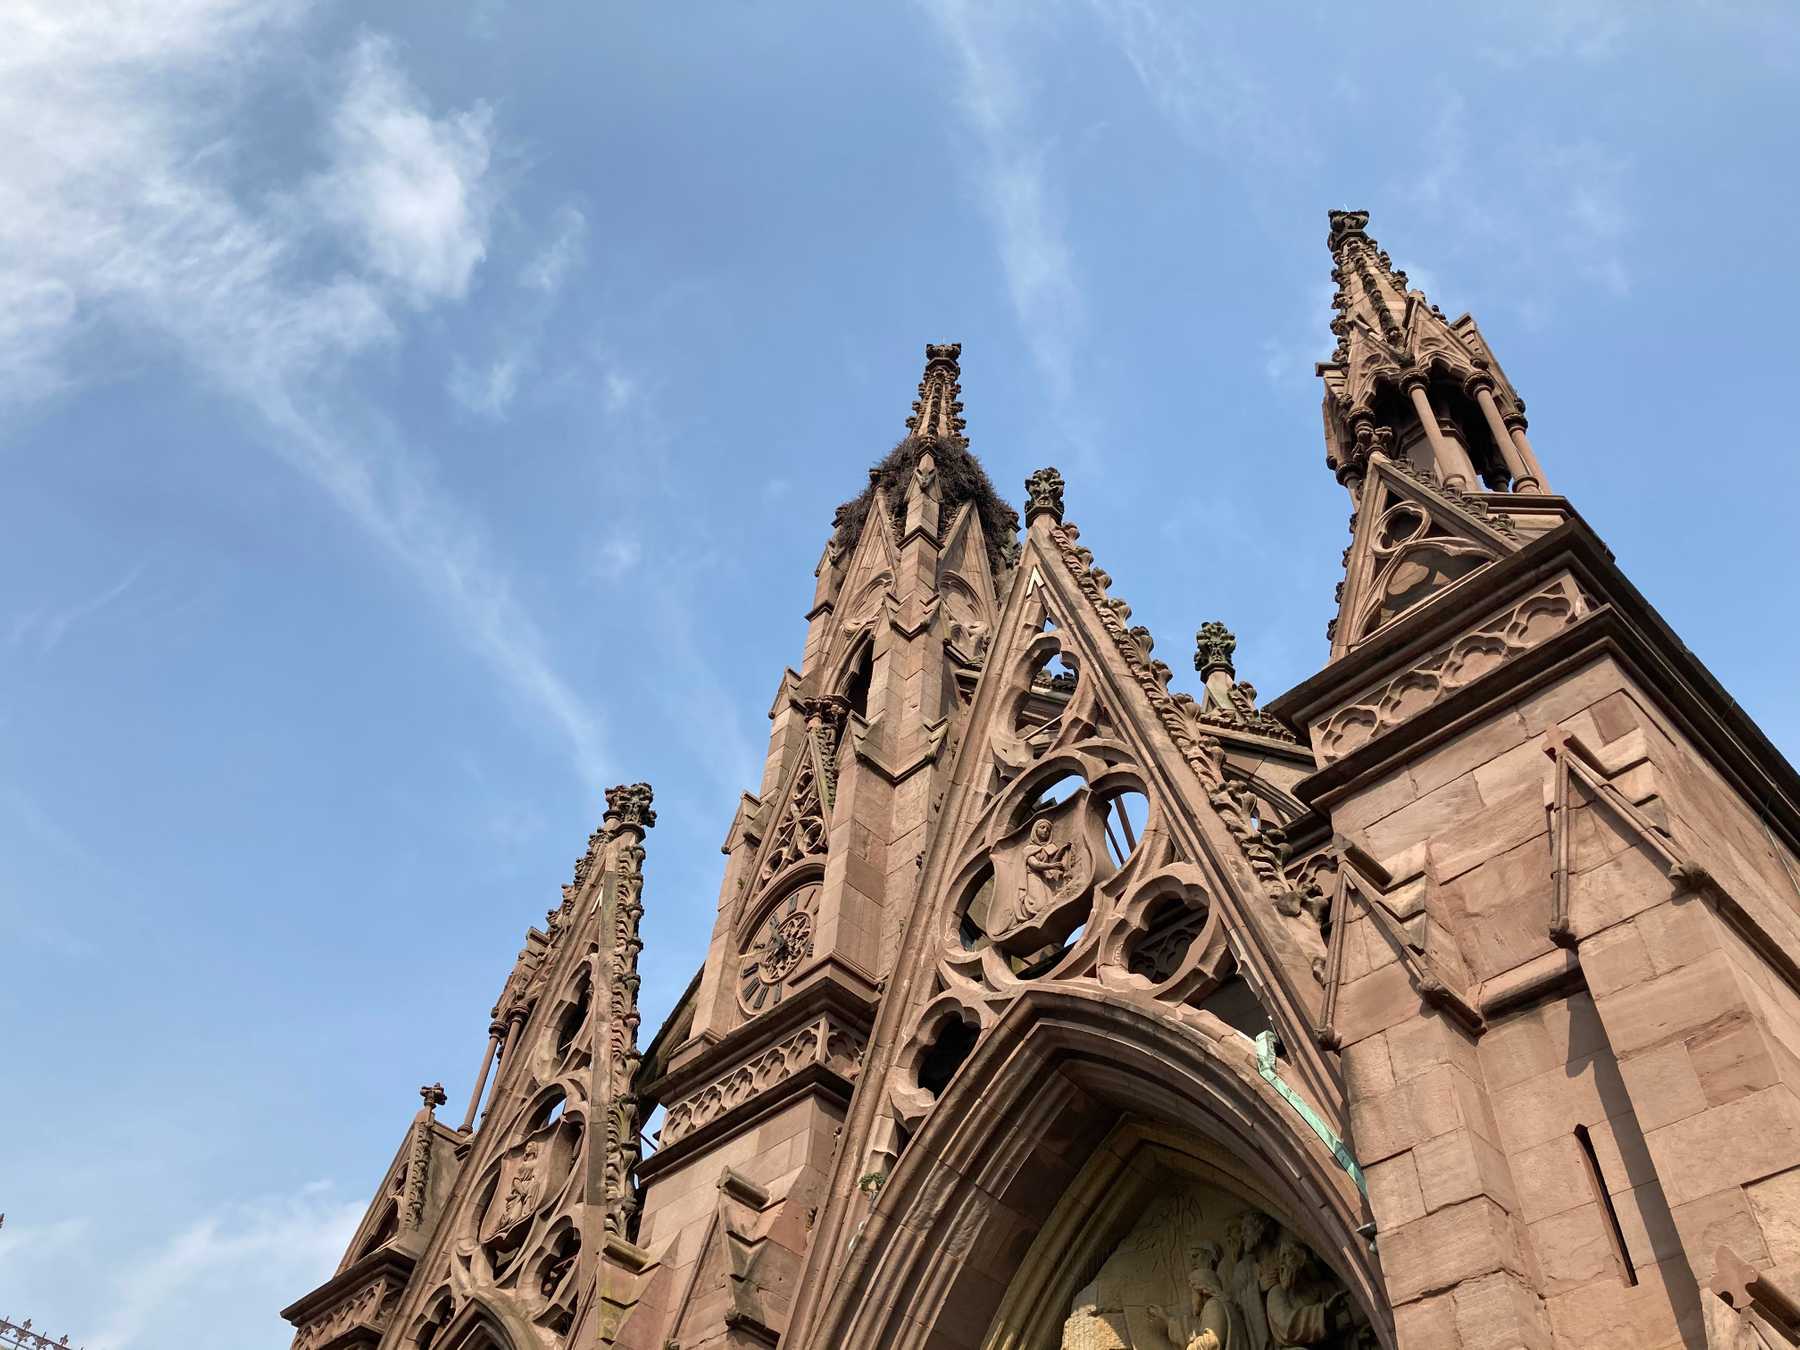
{"points": [[937, 413]]}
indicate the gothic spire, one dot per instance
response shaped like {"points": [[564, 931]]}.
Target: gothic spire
{"points": [[1407, 382], [1368, 286], [937, 413]]}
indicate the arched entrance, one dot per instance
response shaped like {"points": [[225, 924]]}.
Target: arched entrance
{"points": [[1072, 1117]]}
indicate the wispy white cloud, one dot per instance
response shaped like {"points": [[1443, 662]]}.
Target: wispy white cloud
{"points": [[1015, 186], [1203, 83], [1526, 196], [119, 218], [215, 1275], [561, 256], [1588, 31], [410, 190], [487, 390], [257, 1252], [45, 630], [615, 555], [487, 387]]}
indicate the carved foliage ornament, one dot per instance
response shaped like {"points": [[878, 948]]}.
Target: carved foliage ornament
{"points": [[1234, 703], [370, 1309], [937, 411], [544, 1148], [818, 1043], [629, 805], [1214, 645], [1180, 715]]}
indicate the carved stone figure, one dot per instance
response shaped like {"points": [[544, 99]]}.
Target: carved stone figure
{"points": [[1200, 1271], [1303, 1311], [1255, 1232], [1208, 1321], [521, 1194], [1047, 867], [1044, 872]]}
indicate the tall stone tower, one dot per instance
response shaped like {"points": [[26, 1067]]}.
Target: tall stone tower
{"points": [[1452, 1000]]}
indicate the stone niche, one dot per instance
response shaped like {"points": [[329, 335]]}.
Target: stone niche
{"points": [[1202, 1270]]}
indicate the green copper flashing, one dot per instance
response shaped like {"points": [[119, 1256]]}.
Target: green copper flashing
{"points": [[1265, 1065]]}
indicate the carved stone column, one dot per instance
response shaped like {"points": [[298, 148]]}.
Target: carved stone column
{"points": [[1524, 480], [1452, 460]]}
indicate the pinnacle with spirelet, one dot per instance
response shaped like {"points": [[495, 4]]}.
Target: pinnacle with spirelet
{"points": [[937, 413]]}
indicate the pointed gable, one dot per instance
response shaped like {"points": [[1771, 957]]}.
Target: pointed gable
{"points": [[1414, 539]]}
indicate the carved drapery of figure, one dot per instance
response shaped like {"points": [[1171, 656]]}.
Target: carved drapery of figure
{"points": [[1203, 1271], [1210, 1320], [1302, 1309]]}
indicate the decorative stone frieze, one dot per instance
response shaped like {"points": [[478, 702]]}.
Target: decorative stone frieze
{"points": [[1399, 698], [358, 1320], [823, 1043]]}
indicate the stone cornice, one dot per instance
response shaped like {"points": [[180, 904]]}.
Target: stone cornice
{"points": [[1620, 623], [701, 1060], [388, 1260], [821, 1050]]}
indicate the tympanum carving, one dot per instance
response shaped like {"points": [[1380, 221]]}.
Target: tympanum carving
{"points": [[1204, 1271]]}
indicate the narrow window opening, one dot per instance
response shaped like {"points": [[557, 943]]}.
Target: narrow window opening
{"points": [[1598, 1181], [857, 690]]}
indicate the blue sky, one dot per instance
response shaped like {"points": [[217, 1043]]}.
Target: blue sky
{"points": [[419, 417]]}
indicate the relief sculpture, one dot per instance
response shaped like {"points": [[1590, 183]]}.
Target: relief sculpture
{"points": [[1203, 1271], [1043, 874]]}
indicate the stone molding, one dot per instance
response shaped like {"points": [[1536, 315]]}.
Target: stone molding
{"points": [[1502, 635], [823, 1043], [354, 1306], [363, 1315]]}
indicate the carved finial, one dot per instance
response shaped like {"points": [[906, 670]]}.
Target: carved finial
{"points": [[1213, 646], [433, 1096], [628, 805], [1345, 226], [937, 414], [1044, 495]]}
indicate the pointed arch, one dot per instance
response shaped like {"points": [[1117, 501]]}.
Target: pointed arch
{"points": [[855, 673], [484, 1324], [946, 1259]]}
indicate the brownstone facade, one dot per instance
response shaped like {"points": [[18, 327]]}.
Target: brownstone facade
{"points": [[1450, 1002]]}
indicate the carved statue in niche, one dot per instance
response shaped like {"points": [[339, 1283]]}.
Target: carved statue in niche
{"points": [[521, 1192], [1046, 868], [1045, 872], [1202, 1271]]}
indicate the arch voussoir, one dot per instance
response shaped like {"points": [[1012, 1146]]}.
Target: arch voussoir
{"points": [[1036, 1109]]}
